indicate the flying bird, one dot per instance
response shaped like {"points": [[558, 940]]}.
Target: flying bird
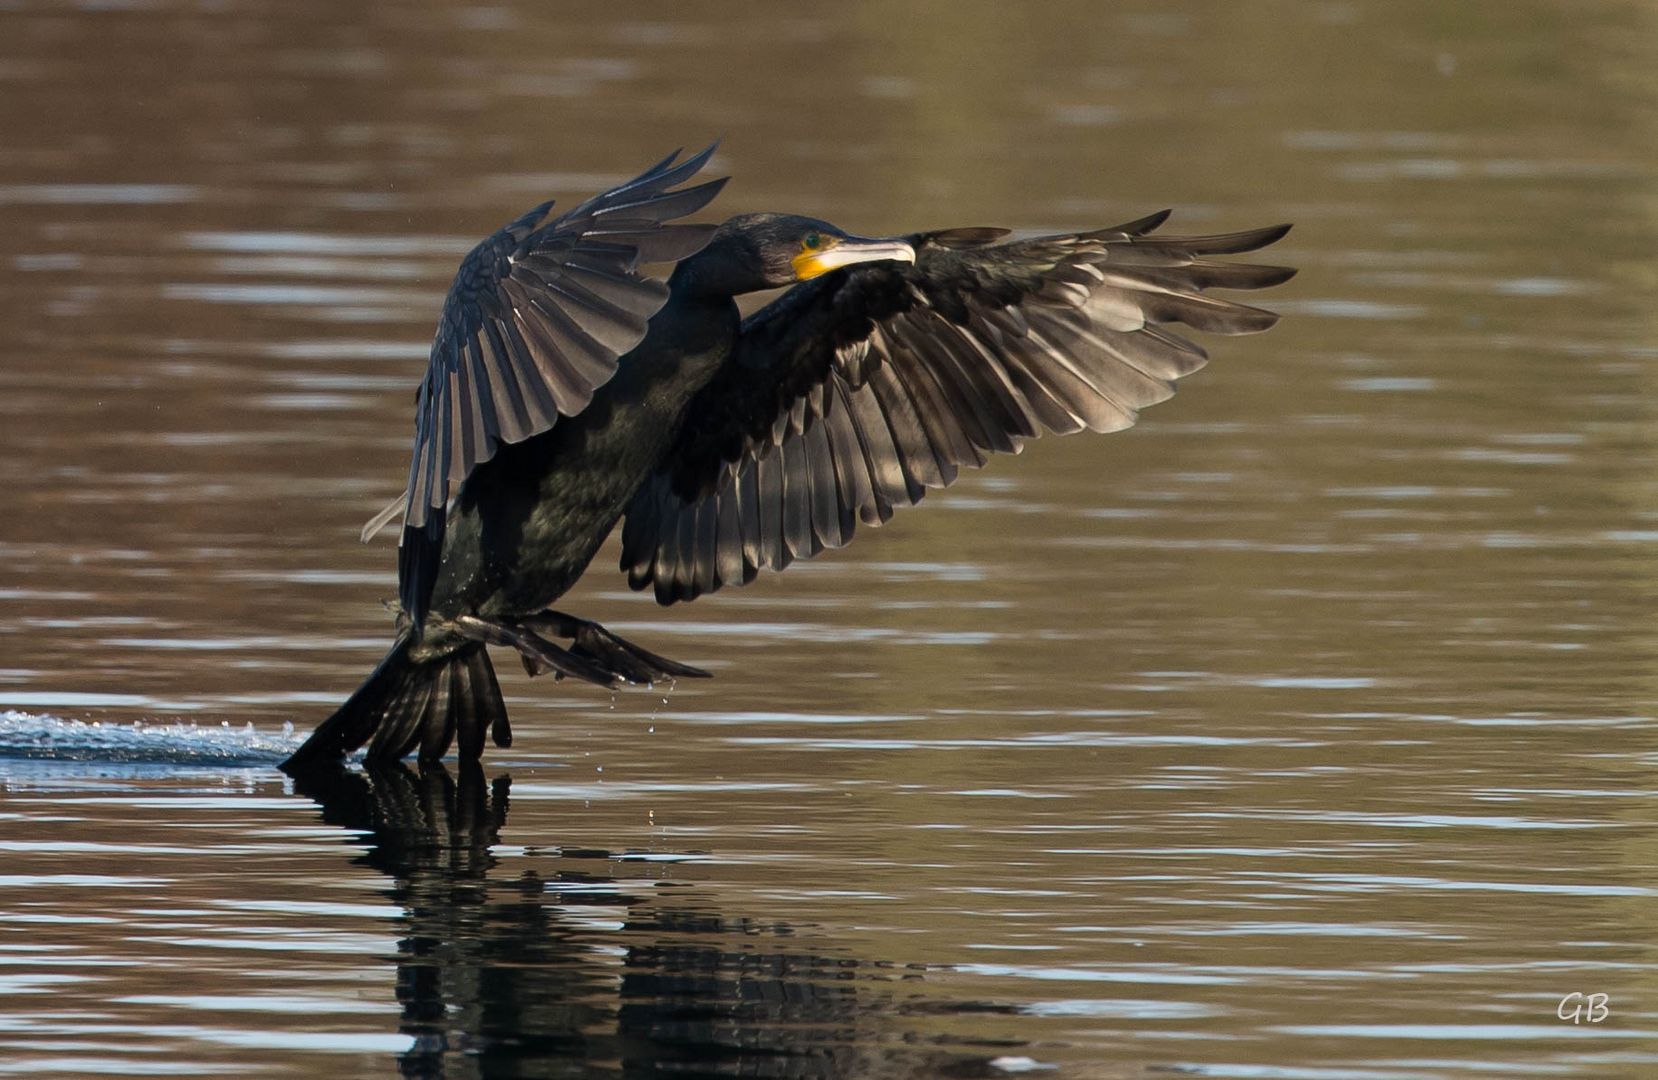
{"points": [[568, 391]]}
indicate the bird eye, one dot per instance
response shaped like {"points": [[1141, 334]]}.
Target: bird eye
{"points": [[812, 241]]}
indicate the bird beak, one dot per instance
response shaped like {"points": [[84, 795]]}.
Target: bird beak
{"points": [[850, 251]]}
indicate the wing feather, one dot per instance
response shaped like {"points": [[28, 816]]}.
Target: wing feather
{"points": [[797, 498], [535, 321], [855, 393]]}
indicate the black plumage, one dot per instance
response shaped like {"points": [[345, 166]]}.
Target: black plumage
{"points": [[567, 389]]}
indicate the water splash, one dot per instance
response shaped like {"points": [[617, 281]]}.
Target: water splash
{"points": [[673, 684], [50, 738]]}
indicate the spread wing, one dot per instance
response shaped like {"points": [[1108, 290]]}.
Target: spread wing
{"points": [[854, 393], [535, 321]]}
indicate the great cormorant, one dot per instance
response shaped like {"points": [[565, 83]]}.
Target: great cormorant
{"points": [[567, 390]]}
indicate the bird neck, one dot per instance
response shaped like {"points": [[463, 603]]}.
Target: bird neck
{"points": [[728, 267]]}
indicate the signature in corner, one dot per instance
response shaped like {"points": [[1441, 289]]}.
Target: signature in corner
{"points": [[1580, 1008]]}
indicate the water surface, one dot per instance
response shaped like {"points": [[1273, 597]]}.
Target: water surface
{"points": [[1302, 732]]}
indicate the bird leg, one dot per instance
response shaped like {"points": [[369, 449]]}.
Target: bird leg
{"points": [[538, 653], [617, 656]]}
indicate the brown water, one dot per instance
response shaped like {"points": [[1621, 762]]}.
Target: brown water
{"points": [[1303, 732]]}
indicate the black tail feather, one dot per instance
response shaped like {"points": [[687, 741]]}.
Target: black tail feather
{"points": [[400, 721], [491, 712], [406, 703]]}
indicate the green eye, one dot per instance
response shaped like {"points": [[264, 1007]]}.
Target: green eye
{"points": [[812, 241]]}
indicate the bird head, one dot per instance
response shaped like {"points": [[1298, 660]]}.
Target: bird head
{"points": [[782, 249]]}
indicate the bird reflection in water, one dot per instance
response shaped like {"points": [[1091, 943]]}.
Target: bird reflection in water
{"points": [[537, 975]]}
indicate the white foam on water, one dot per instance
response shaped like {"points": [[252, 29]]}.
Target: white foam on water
{"points": [[33, 737]]}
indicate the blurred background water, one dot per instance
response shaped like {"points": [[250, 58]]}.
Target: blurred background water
{"points": [[1304, 731]]}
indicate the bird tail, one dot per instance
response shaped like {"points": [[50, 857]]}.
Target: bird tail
{"points": [[406, 703]]}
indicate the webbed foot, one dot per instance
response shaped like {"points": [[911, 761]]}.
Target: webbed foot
{"points": [[538, 653], [608, 652]]}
